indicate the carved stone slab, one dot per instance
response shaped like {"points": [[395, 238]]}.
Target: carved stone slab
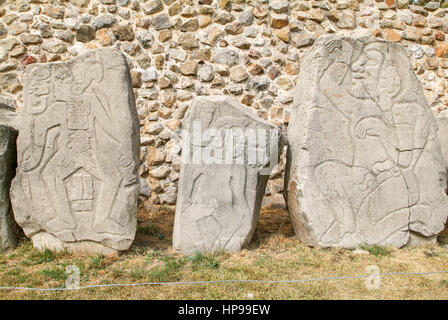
{"points": [[226, 149], [78, 153], [442, 122], [364, 160], [8, 164]]}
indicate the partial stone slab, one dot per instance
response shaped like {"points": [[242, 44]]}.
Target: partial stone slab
{"points": [[8, 164], [228, 153], [364, 163], [77, 180]]}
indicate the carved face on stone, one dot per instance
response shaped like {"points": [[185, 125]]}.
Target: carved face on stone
{"points": [[366, 71]]}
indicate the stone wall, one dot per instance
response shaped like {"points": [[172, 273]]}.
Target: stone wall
{"points": [[181, 49]]}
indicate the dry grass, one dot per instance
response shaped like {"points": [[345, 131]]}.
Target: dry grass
{"points": [[273, 255]]}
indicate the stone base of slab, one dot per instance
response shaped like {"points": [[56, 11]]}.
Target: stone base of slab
{"points": [[417, 240], [44, 240]]}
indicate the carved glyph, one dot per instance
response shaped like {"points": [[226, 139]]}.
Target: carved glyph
{"points": [[364, 160], [228, 153], [78, 147]]}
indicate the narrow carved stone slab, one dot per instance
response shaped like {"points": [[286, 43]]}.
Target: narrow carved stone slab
{"points": [[8, 164], [364, 160], [78, 154], [226, 148]]}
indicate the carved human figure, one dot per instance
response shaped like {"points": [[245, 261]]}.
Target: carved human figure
{"points": [[374, 184], [211, 205], [76, 147], [8, 163], [220, 190]]}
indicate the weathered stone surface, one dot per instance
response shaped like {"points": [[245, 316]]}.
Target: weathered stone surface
{"points": [[85, 33], [365, 163], [226, 56], [263, 38], [442, 122], [146, 39], [77, 180], [238, 74], [8, 164], [219, 199], [152, 6], [9, 82], [279, 6], [161, 21], [124, 32]]}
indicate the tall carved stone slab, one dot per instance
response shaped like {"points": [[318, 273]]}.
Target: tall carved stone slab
{"points": [[8, 164], [226, 151], [78, 153], [364, 161]]}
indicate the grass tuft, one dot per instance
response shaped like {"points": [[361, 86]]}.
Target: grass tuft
{"points": [[376, 250]]}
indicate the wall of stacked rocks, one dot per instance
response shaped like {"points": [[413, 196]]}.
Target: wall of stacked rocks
{"points": [[177, 50]]}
